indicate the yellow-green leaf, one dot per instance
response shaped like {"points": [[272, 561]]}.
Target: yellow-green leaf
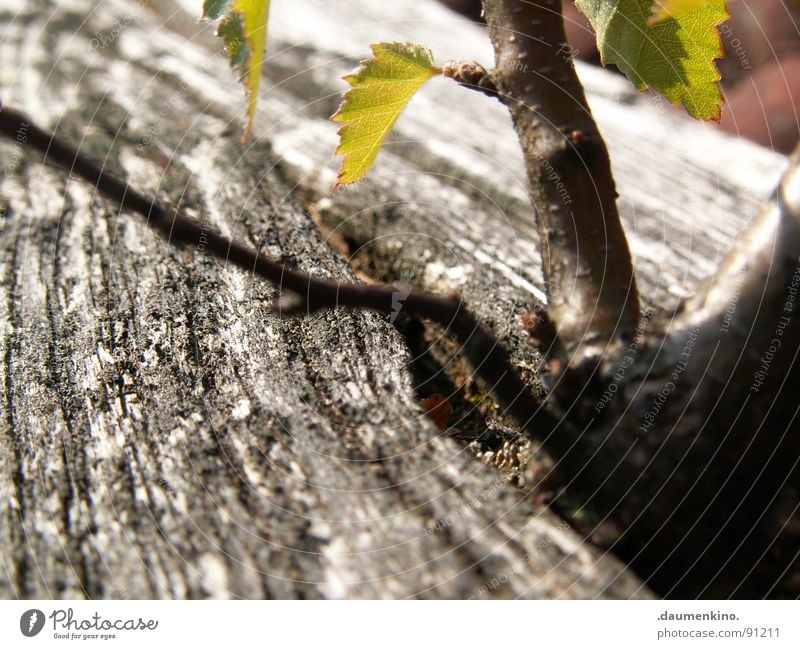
{"points": [[243, 28], [672, 50], [381, 88]]}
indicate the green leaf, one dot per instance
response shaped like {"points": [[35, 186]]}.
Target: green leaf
{"points": [[381, 88], [671, 50], [243, 28]]}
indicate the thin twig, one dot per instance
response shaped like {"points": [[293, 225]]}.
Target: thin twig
{"points": [[307, 294]]}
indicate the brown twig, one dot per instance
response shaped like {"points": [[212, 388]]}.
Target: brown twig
{"points": [[306, 294], [592, 296]]}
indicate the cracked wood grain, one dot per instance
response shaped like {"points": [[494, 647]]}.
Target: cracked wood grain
{"points": [[165, 434]]}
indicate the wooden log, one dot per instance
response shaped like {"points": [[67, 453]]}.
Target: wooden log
{"points": [[165, 435]]}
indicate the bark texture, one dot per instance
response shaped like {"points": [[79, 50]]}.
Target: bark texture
{"points": [[165, 435], [592, 297]]}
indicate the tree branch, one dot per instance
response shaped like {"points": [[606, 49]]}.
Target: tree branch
{"points": [[592, 296], [307, 294]]}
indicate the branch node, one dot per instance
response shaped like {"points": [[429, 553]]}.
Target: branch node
{"points": [[472, 75]]}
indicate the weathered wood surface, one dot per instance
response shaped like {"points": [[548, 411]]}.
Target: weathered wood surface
{"points": [[164, 435]]}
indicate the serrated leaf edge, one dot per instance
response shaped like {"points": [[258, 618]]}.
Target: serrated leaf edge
{"points": [[641, 87], [352, 79]]}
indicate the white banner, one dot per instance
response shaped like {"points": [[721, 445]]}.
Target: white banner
{"points": [[386, 625]]}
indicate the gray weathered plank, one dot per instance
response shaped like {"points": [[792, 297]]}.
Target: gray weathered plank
{"points": [[164, 435]]}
